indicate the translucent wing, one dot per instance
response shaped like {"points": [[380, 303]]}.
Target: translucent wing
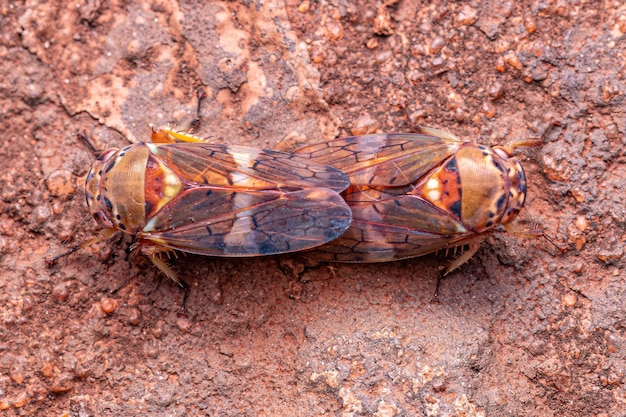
{"points": [[386, 159], [247, 168], [388, 222], [223, 222], [241, 201], [396, 228]]}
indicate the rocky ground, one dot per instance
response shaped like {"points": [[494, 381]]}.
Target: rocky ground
{"points": [[522, 329]]}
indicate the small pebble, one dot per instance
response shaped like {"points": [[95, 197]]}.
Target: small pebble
{"points": [[365, 124], [21, 400], [334, 30], [513, 60], [60, 292], [184, 324], [133, 316], [108, 305], [569, 299], [60, 184], [304, 6], [467, 16], [436, 44]]}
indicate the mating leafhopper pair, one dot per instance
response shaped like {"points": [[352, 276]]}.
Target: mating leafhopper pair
{"points": [[371, 198]]}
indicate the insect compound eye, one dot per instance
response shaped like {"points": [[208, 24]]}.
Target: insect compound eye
{"points": [[502, 153], [102, 219], [517, 190]]}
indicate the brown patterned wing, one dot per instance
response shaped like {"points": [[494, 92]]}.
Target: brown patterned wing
{"points": [[385, 159], [395, 228], [227, 222], [248, 168]]}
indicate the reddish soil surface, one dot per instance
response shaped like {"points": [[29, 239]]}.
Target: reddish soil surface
{"points": [[520, 330]]}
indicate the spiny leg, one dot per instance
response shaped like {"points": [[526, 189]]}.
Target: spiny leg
{"points": [[474, 245], [169, 272], [534, 233]]}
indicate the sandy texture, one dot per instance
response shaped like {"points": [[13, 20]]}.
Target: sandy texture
{"points": [[520, 330]]}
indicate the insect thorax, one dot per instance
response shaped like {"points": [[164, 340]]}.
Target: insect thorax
{"points": [[480, 186], [125, 187]]}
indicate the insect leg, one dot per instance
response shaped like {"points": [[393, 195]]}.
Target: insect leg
{"points": [[474, 245], [510, 146], [164, 267], [105, 234], [167, 134], [535, 233], [196, 122], [88, 144]]}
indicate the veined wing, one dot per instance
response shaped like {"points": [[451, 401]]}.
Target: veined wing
{"points": [[226, 222], [246, 167], [396, 228], [385, 159]]}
